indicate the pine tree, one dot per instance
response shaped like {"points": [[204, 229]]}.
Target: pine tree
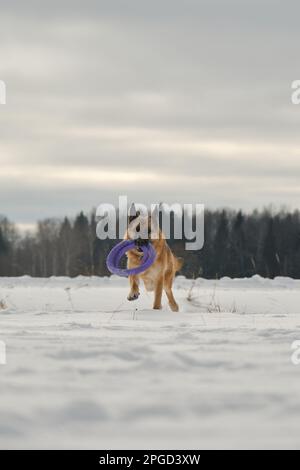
{"points": [[270, 255], [221, 244]]}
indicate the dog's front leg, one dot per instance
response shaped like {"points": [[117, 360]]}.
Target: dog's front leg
{"points": [[134, 288], [158, 294]]}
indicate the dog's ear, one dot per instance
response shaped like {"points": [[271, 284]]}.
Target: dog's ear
{"points": [[133, 214]]}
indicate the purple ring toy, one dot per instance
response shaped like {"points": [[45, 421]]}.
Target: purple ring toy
{"points": [[118, 251]]}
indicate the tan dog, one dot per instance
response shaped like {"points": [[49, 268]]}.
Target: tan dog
{"points": [[160, 275]]}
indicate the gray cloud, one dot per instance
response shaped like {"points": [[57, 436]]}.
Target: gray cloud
{"points": [[195, 93]]}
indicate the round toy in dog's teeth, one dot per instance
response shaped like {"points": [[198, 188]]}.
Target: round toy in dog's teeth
{"points": [[115, 255]]}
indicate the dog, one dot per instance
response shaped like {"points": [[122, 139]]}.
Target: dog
{"points": [[160, 275]]}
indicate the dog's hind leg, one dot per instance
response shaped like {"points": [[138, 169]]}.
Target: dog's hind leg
{"points": [[168, 281], [134, 288], [158, 294]]}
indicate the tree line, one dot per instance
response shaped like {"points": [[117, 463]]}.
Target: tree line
{"points": [[236, 245]]}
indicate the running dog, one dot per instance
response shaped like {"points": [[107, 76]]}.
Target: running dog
{"points": [[161, 273]]}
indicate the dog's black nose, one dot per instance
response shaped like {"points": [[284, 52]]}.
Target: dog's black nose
{"points": [[141, 242]]}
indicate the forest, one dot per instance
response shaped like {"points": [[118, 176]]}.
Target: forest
{"points": [[236, 244]]}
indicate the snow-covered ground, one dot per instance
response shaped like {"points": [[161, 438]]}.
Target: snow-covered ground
{"points": [[88, 369]]}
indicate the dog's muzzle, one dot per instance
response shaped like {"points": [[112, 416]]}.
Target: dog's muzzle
{"points": [[139, 242]]}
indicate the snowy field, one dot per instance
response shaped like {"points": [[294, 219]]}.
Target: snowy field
{"points": [[88, 369]]}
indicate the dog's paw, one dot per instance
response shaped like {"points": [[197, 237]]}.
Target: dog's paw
{"points": [[133, 296], [157, 307], [174, 307]]}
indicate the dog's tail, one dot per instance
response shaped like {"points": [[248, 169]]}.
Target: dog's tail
{"points": [[178, 263]]}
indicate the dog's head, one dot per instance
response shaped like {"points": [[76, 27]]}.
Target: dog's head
{"points": [[143, 227]]}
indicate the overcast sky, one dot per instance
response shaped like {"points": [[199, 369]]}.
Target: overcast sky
{"points": [[167, 100]]}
